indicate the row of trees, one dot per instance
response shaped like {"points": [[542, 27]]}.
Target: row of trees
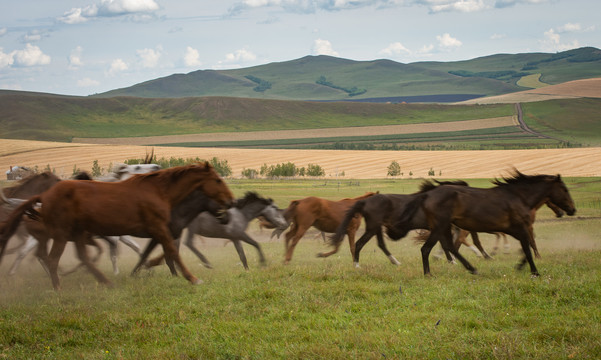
{"points": [[223, 168]]}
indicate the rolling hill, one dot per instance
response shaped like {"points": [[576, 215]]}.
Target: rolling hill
{"points": [[330, 78]]}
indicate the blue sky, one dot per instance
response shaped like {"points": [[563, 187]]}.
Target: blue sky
{"points": [[90, 46]]}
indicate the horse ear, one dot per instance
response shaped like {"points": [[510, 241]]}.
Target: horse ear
{"points": [[558, 177]]}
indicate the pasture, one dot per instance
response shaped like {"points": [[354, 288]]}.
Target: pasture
{"points": [[323, 308]]}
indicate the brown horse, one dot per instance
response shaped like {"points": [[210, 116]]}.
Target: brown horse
{"points": [[460, 236], [323, 214], [506, 208], [139, 206], [380, 211]]}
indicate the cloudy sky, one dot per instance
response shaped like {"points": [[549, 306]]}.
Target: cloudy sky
{"points": [[82, 47]]}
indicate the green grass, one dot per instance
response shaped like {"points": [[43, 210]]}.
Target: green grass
{"points": [[323, 308]]}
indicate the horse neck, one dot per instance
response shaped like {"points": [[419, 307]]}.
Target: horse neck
{"points": [[252, 210], [533, 195]]}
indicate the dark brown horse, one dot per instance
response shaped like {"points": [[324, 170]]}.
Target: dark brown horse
{"points": [[380, 211], [323, 214], [506, 208], [139, 206], [460, 235]]}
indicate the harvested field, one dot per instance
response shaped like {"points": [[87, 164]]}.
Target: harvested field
{"points": [[354, 164], [571, 89]]}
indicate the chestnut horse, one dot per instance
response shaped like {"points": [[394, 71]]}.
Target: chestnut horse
{"points": [[323, 214], [139, 206], [506, 208]]}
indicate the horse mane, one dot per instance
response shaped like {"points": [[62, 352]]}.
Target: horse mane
{"points": [[82, 175], [520, 178], [428, 185], [164, 177], [249, 197]]}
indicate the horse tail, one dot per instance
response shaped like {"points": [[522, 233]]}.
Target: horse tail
{"points": [[290, 211], [357, 208], [10, 225], [402, 226]]}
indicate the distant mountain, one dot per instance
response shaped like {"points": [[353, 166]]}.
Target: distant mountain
{"points": [[330, 78]]}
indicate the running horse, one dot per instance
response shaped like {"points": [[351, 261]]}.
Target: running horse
{"points": [[380, 211], [323, 214], [139, 206], [506, 208]]}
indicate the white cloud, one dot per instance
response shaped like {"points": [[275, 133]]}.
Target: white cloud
{"points": [[395, 49], [446, 41], [465, 6], [569, 27], [149, 57], [191, 57], [497, 36], [122, 7], [118, 65], [30, 56], [313, 6], [323, 47], [241, 55], [3, 31], [109, 8], [79, 15], [510, 3], [552, 42], [75, 58], [6, 60], [87, 82]]}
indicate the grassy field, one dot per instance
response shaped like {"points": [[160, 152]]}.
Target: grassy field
{"points": [[323, 308]]}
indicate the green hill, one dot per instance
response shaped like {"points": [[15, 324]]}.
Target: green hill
{"points": [[330, 78]]}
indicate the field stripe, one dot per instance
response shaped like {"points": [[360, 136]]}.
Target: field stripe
{"points": [[309, 133]]}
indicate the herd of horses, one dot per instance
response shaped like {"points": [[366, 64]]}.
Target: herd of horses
{"points": [[160, 204]]}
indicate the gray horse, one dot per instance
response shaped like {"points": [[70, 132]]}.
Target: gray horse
{"points": [[239, 216]]}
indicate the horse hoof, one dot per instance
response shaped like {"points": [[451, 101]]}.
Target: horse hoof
{"points": [[474, 272], [357, 266], [534, 275], [196, 282], [320, 255]]}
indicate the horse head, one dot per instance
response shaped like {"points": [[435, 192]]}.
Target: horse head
{"points": [[560, 197], [204, 176]]}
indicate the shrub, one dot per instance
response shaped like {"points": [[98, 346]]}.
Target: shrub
{"points": [[394, 169]]}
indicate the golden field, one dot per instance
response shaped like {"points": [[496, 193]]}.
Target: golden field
{"points": [[62, 157]]}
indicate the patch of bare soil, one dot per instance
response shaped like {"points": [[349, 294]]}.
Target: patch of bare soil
{"points": [[571, 89], [336, 163]]}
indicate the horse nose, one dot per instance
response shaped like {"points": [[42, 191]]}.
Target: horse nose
{"points": [[571, 211]]}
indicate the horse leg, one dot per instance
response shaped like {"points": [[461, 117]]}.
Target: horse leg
{"points": [[532, 241], [426, 249], [30, 244], [478, 245], [58, 247], [523, 235], [165, 239], [367, 235], [292, 240], [447, 243], [247, 239], [241, 253], [151, 245], [382, 246], [190, 244], [127, 240], [82, 252], [113, 250]]}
